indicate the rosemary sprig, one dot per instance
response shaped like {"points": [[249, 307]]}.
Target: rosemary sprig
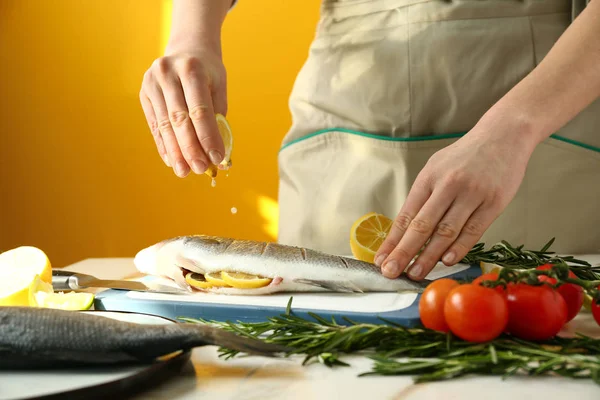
{"points": [[560, 272], [426, 354], [506, 255]]}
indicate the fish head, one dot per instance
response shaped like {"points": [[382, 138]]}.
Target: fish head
{"points": [[146, 260], [188, 252], [158, 258]]}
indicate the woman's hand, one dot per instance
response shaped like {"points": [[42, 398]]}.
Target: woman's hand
{"points": [[459, 193], [181, 92], [464, 187]]}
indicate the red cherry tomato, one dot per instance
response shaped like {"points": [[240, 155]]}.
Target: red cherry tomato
{"points": [[535, 312], [596, 310], [490, 276], [573, 294], [431, 305], [476, 313]]}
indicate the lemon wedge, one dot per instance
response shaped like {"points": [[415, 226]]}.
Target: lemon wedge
{"points": [[240, 280], [215, 279], [227, 137], [41, 294], [487, 267], [27, 262], [367, 234], [197, 281]]}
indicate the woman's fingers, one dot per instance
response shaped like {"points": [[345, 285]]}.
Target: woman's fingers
{"points": [[202, 112], [153, 125], [176, 159], [415, 200], [445, 234], [180, 95], [419, 230], [471, 232], [181, 118]]}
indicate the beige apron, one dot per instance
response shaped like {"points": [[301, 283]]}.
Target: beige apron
{"points": [[390, 82]]}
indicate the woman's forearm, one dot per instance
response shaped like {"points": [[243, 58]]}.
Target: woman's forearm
{"points": [[197, 23], [565, 82]]}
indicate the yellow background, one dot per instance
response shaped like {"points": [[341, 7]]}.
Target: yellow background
{"points": [[79, 174]]}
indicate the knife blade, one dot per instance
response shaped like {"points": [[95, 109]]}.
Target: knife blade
{"points": [[67, 280]]}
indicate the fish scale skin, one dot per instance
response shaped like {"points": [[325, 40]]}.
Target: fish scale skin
{"points": [[211, 254], [40, 337]]}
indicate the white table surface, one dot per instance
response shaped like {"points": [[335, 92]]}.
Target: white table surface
{"points": [[209, 377]]}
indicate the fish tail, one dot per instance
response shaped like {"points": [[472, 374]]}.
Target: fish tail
{"points": [[219, 337]]}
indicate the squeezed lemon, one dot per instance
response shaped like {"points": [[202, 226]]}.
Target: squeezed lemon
{"points": [[227, 137]]}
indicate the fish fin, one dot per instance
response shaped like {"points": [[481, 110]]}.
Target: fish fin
{"points": [[177, 275], [335, 286], [186, 263], [206, 334], [417, 286]]}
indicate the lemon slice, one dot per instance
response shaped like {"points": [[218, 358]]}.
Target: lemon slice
{"points": [[41, 294], [240, 280], [197, 280], [367, 234], [27, 262], [215, 279], [227, 137]]}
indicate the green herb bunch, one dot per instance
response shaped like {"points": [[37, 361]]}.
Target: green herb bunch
{"points": [[425, 354], [508, 256]]}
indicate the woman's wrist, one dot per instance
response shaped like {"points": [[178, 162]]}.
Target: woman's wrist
{"points": [[197, 26], [196, 43], [508, 125]]}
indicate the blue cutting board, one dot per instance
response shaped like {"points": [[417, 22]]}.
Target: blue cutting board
{"points": [[400, 309]]}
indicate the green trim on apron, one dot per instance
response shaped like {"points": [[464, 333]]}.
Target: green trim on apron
{"points": [[418, 138]]}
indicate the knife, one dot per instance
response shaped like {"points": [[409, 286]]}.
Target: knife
{"points": [[67, 280]]}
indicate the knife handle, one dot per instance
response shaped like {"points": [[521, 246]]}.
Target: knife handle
{"points": [[66, 280]]}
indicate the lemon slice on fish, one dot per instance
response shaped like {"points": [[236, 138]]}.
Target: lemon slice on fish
{"points": [[198, 281], [240, 280], [367, 234], [227, 137], [41, 294], [215, 279]]}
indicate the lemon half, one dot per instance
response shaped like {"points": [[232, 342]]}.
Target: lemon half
{"points": [[14, 289], [19, 268], [367, 234], [26, 261]]}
